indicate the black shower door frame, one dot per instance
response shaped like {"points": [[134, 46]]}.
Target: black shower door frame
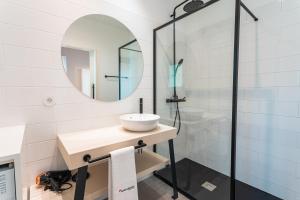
{"points": [[238, 5]]}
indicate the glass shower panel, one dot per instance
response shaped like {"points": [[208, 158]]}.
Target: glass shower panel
{"points": [[204, 40], [131, 68]]}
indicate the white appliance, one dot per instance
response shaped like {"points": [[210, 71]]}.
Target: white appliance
{"points": [[7, 182]]}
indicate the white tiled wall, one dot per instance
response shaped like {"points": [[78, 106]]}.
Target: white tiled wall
{"points": [[31, 32], [269, 118]]}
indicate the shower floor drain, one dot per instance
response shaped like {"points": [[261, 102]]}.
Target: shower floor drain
{"points": [[209, 186]]}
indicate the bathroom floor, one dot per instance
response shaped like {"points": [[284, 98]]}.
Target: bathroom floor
{"points": [[149, 189], [154, 189], [192, 175]]}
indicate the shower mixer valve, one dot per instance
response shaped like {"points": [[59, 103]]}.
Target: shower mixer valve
{"points": [[175, 100]]}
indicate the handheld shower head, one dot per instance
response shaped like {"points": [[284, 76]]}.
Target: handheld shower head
{"points": [[178, 65], [180, 62], [175, 98], [193, 5]]}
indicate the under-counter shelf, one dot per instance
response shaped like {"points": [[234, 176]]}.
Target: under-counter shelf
{"points": [[96, 185], [98, 143]]}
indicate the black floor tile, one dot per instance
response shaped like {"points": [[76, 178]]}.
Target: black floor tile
{"points": [[191, 175]]}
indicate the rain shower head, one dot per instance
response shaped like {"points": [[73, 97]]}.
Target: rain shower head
{"points": [[193, 6]]}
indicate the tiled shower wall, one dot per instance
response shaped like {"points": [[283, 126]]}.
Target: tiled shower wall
{"points": [[31, 32], [268, 153]]}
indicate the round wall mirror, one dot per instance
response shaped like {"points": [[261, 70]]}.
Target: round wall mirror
{"points": [[102, 58]]}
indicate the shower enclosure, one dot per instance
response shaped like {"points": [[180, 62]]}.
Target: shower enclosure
{"points": [[195, 89]]}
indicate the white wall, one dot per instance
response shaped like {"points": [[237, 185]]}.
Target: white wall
{"points": [[31, 32]]}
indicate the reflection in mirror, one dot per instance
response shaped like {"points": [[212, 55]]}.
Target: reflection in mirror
{"points": [[102, 58]]}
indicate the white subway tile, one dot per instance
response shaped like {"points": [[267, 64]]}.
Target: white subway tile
{"points": [[289, 94], [287, 123], [290, 18], [28, 114], [40, 132], [286, 79], [1, 54], [275, 137], [298, 140], [33, 77], [289, 47], [36, 96], [136, 8], [41, 150], [25, 17], [248, 130], [61, 164], [279, 108], [290, 5], [34, 169], [259, 80], [87, 123], [262, 94], [146, 83], [278, 190], [26, 37], [298, 170], [263, 3], [249, 106], [289, 63], [65, 9], [17, 56]]}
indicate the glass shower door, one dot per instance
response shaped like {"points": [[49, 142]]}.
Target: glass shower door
{"points": [[204, 40]]}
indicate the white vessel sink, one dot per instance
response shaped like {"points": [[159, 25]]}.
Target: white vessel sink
{"points": [[139, 122]]}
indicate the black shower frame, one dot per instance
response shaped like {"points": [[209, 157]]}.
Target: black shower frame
{"points": [[238, 5]]}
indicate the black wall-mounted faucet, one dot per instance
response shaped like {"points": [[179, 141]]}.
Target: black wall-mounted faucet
{"points": [[141, 106]]}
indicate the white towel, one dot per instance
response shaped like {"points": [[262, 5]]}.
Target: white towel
{"points": [[122, 181]]}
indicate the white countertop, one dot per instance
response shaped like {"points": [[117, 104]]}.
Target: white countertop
{"points": [[11, 140]]}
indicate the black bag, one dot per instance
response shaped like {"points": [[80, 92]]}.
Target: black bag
{"points": [[55, 180]]}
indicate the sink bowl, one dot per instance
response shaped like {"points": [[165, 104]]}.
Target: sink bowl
{"points": [[139, 122]]}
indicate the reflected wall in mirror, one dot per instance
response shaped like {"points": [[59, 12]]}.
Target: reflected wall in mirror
{"points": [[102, 58]]}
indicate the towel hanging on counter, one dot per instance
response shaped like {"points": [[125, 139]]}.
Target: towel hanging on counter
{"points": [[122, 175]]}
